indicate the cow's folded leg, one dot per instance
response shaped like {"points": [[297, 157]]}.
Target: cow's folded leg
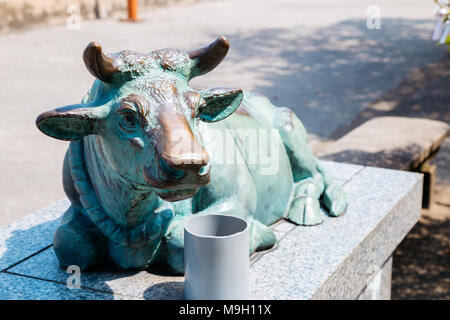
{"points": [[307, 171], [261, 236], [172, 250], [305, 206], [78, 242], [305, 211], [334, 197]]}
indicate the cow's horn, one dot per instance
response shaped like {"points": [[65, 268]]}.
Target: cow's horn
{"points": [[100, 65], [209, 57]]}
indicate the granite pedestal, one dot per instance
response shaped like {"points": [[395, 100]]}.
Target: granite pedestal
{"points": [[348, 257]]}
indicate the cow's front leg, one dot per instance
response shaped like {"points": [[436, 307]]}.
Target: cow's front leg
{"points": [[173, 246], [78, 242], [142, 241]]}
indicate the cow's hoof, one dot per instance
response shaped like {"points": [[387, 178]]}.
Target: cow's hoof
{"points": [[305, 211], [335, 199], [261, 236]]}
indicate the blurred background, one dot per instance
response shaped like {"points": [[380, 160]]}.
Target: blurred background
{"points": [[329, 61]]}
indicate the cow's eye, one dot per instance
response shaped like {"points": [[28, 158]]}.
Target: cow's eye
{"points": [[128, 121]]}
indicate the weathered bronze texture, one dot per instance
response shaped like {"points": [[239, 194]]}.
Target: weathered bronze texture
{"points": [[147, 151]]}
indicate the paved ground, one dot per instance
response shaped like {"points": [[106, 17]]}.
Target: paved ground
{"points": [[316, 57], [421, 268]]}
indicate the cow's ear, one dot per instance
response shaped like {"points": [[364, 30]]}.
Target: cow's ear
{"points": [[71, 122], [220, 103]]}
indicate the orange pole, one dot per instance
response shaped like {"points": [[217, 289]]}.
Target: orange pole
{"points": [[132, 9]]}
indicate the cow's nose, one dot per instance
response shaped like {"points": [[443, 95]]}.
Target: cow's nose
{"points": [[204, 170], [171, 171], [193, 164]]}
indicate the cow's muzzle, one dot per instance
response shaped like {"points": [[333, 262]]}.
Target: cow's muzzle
{"points": [[177, 174]]}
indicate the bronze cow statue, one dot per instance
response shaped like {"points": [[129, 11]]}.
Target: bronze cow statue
{"points": [[144, 155]]}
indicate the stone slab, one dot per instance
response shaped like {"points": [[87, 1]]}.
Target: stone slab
{"points": [[326, 261], [284, 226], [139, 284], [380, 282], [330, 261], [387, 214], [381, 142], [342, 172], [29, 234], [14, 287]]}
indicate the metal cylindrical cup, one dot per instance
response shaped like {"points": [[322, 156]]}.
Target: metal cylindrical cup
{"points": [[216, 257]]}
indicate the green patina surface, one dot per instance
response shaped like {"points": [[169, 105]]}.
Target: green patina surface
{"points": [[147, 151]]}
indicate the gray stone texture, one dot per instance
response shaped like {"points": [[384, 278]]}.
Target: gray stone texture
{"points": [[379, 284], [334, 260], [14, 287], [139, 284], [29, 234], [389, 142]]}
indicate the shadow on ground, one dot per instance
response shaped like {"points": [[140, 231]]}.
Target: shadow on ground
{"points": [[389, 158], [327, 76], [424, 94], [421, 265], [28, 253]]}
